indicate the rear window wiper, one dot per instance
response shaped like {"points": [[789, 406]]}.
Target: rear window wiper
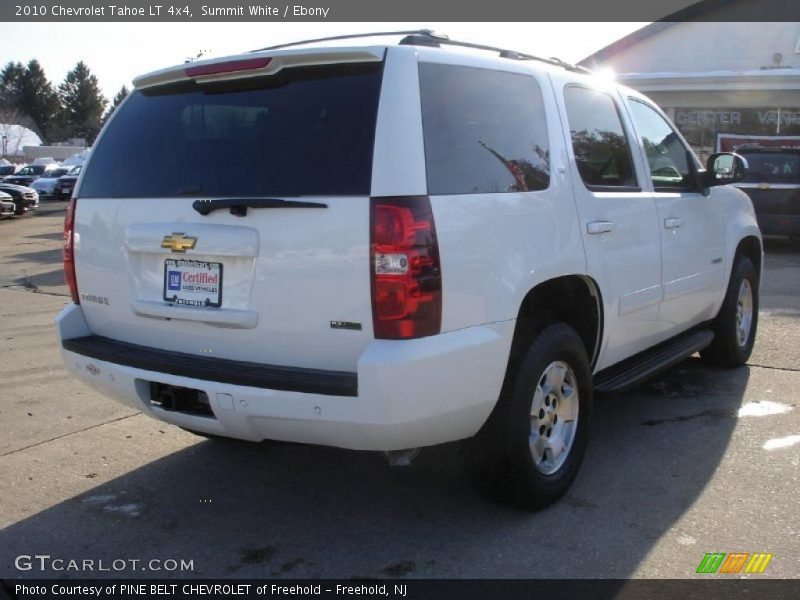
{"points": [[239, 206]]}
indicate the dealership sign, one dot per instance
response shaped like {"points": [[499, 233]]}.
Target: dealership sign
{"points": [[703, 127], [782, 116], [708, 117]]}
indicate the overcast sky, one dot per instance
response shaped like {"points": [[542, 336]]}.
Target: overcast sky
{"points": [[117, 52]]}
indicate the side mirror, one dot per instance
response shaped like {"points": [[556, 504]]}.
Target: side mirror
{"points": [[724, 168]]}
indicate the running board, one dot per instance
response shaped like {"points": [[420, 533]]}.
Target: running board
{"points": [[636, 369]]}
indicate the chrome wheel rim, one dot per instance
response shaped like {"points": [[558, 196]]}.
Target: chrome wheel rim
{"points": [[554, 417], [744, 313]]}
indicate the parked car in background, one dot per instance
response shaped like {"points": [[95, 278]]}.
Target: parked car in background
{"points": [[773, 184], [6, 170], [66, 183], [26, 175], [31, 172], [7, 206], [25, 199], [46, 184]]}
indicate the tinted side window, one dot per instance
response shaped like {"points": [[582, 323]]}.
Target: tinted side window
{"points": [[485, 131], [602, 152], [31, 170], [772, 167], [666, 154]]}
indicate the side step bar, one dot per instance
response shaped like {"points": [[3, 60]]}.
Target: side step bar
{"points": [[639, 367]]}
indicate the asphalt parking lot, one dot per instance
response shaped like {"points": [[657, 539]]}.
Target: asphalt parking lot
{"points": [[698, 460]]}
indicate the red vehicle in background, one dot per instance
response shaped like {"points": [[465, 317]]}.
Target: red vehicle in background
{"points": [[66, 183]]}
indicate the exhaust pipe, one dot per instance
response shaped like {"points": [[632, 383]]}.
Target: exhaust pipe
{"points": [[401, 458]]}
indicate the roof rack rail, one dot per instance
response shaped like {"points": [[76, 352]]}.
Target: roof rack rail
{"points": [[427, 37], [427, 33], [414, 40]]}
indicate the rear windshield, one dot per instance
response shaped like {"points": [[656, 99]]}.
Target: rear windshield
{"points": [[304, 131], [772, 167]]}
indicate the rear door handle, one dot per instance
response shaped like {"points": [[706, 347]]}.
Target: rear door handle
{"points": [[596, 227], [672, 223]]}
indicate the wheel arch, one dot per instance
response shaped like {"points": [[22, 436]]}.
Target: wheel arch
{"points": [[572, 299], [750, 246]]}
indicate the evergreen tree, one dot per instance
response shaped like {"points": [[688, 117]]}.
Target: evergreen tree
{"points": [[39, 101], [11, 78], [121, 95], [83, 103]]}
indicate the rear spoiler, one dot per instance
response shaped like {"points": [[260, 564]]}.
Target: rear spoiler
{"points": [[256, 64]]}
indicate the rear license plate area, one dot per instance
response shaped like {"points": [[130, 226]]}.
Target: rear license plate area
{"points": [[190, 282]]}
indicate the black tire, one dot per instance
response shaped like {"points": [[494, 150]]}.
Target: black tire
{"points": [[499, 458], [727, 350]]}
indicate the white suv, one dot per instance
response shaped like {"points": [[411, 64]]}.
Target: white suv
{"points": [[389, 247]]}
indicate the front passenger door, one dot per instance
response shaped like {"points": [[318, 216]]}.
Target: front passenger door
{"points": [[692, 227], [618, 221]]}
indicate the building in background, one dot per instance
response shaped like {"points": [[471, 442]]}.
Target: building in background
{"points": [[723, 83], [57, 151]]}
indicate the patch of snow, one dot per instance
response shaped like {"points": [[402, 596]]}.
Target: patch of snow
{"points": [[763, 408], [44, 160], [76, 159], [784, 442], [18, 136]]}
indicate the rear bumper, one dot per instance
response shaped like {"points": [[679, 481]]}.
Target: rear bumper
{"points": [[314, 381], [408, 393]]}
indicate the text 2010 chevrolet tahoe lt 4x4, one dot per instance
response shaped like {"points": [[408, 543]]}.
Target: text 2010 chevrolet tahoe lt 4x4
{"points": [[389, 247]]}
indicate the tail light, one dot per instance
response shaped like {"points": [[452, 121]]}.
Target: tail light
{"points": [[229, 66], [69, 251], [406, 274]]}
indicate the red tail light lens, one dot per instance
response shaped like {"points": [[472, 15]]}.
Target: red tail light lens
{"points": [[406, 272], [69, 251]]}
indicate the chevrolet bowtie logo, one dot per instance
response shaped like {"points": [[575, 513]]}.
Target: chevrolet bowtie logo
{"points": [[178, 242]]}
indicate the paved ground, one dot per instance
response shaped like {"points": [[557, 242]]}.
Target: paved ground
{"points": [[698, 460]]}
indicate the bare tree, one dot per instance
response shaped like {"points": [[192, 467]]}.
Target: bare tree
{"points": [[13, 123]]}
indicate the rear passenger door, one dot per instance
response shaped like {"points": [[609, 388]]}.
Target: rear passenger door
{"points": [[618, 221], [692, 227]]}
